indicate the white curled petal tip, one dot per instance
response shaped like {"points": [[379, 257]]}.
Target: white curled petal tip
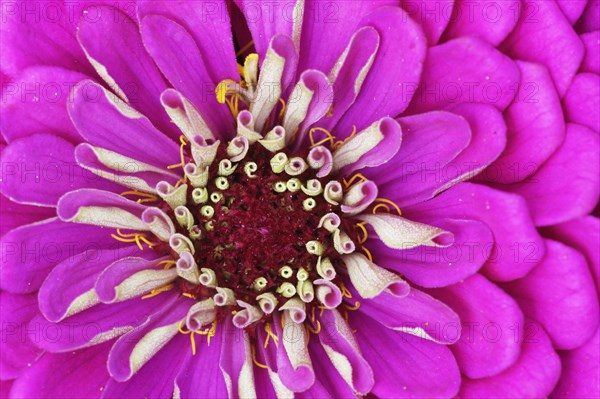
{"points": [[197, 175], [274, 140], [200, 315], [325, 269], [321, 158], [330, 222], [267, 302], [187, 268], [296, 310], [342, 243], [184, 217], [224, 297], [159, 223], [173, 196], [208, 278], [305, 291], [333, 193], [180, 243], [296, 166], [248, 315], [328, 293], [400, 233], [238, 148], [371, 280], [359, 197], [245, 127], [204, 153]]}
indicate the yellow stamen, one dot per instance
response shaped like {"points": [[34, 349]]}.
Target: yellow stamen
{"points": [[353, 179], [338, 144], [245, 48], [345, 292], [355, 307], [253, 350], [379, 206], [193, 344], [148, 196], [361, 226], [366, 251], [283, 108], [168, 263], [383, 201], [188, 295], [312, 330], [330, 138], [270, 335], [183, 142], [157, 291], [240, 69]]}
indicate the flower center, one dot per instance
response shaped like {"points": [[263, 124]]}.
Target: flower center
{"points": [[257, 230]]}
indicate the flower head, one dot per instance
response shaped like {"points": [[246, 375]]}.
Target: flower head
{"points": [[294, 219]]}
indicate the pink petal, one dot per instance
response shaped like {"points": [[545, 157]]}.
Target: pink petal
{"points": [[533, 375], [582, 101], [543, 23], [536, 127], [559, 293], [489, 77], [490, 319], [566, 186]]}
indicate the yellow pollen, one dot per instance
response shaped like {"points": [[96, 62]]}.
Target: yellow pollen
{"points": [[168, 264], [157, 291], [245, 48], [312, 330], [345, 292], [366, 251], [270, 335], [138, 238], [361, 226], [330, 138], [384, 202], [283, 108], [253, 350], [353, 179]]}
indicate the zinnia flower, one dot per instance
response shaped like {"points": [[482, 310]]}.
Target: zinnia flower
{"points": [[369, 198]]}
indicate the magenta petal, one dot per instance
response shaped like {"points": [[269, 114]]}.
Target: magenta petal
{"points": [[536, 127], [489, 77], [172, 310], [418, 310], [18, 343], [15, 215], [572, 9], [337, 338], [429, 143], [439, 266], [39, 169], [72, 375], [388, 88], [405, 366], [31, 251], [533, 375], [559, 293], [204, 364], [157, 378], [95, 325], [517, 246], [113, 40], [337, 27], [234, 357], [591, 61], [35, 102], [567, 185], [528, 41], [583, 235], [187, 68], [106, 121], [267, 20], [580, 377], [62, 290], [433, 16], [590, 19], [39, 34], [582, 101], [489, 20], [210, 27], [490, 319]]}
